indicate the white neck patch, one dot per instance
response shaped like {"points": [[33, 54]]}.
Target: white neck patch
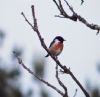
{"points": [[57, 41]]}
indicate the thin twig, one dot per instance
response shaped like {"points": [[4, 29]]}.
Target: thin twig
{"points": [[27, 20], [75, 93], [82, 1], [31, 72], [60, 82], [71, 8], [59, 16]]}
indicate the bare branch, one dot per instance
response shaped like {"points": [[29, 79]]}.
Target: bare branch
{"points": [[59, 16], [82, 1], [71, 8], [27, 20], [60, 82], [75, 16], [31, 72], [62, 11], [64, 68], [75, 93], [98, 32]]}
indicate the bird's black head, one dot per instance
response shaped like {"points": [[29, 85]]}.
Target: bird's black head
{"points": [[59, 38]]}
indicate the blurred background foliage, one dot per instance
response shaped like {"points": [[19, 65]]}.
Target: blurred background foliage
{"points": [[94, 90], [10, 78]]}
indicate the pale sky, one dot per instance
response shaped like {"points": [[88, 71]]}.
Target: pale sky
{"points": [[81, 50]]}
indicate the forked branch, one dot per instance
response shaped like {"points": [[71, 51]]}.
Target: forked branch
{"points": [[74, 16], [31, 72], [61, 83]]}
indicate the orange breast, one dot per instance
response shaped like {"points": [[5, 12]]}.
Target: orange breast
{"points": [[58, 46], [56, 49]]}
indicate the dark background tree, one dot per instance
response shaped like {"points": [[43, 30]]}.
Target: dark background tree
{"points": [[10, 85]]}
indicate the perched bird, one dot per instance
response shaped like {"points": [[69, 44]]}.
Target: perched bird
{"points": [[56, 46]]}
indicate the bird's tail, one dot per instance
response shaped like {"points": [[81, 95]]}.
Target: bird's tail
{"points": [[47, 55]]}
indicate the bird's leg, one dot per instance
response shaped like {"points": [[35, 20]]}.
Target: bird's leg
{"points": [[56, 57]]}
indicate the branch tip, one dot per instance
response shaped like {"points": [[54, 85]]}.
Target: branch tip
{"points": [[82, 1], [97, 32], [75, 92], [61, 83], [22, 13], [32, 6]]}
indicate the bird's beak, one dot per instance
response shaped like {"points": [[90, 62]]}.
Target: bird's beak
{"points": [[64, 40]]}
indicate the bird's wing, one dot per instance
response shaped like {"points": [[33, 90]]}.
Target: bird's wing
{"points": [[51, 43]]}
